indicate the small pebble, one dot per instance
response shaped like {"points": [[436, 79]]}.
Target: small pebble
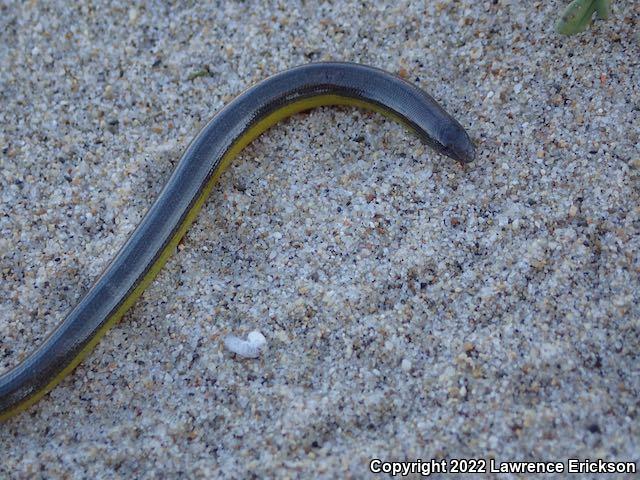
{"points": [[406, 365], [252, 347]]}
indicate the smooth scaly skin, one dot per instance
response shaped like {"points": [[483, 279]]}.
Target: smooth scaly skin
{"points": [[158, 234]]}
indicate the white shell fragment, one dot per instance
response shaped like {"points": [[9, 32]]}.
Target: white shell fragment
{"points": [[252, 347]]}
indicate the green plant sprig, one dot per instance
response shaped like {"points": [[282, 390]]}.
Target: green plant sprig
{"points": [[578, 15]]}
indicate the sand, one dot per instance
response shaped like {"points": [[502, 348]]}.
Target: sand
{"points": [[413, 308]]}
